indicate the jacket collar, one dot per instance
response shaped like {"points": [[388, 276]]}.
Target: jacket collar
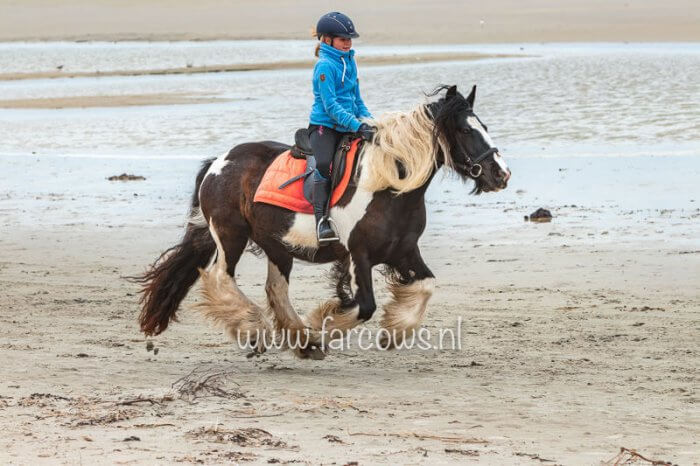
{"points": [[332, 52]]}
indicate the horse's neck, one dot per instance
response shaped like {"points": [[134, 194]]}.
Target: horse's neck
{"points": [[420, 191]]}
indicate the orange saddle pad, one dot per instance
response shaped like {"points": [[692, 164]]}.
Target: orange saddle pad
{"points": [[291, 197]]}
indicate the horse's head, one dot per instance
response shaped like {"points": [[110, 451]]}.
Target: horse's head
{"points": [[471, 152]]}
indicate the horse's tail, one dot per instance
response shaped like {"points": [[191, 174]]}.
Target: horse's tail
{"points": [[171, 276]]}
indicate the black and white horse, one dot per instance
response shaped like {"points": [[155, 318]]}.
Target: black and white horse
{"points": [[379, 220]]}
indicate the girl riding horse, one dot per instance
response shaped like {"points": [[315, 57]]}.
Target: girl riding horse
{"points": [[380, 218], [337, 108]]}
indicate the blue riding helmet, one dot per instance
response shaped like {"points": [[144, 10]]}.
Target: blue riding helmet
{"points": [[336, 24]]}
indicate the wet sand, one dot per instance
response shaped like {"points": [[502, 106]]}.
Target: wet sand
{"points": [[109, 101], [282, 65], [89, 101], [578, 336], [393, 21]]}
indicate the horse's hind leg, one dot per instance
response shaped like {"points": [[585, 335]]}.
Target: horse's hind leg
{"points": [[290, 326], [411, 285], [224, 302]]}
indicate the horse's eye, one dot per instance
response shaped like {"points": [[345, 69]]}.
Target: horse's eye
{"points": [[466, 130]]}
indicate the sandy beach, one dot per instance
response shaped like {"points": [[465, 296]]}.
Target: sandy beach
{"points": [[574, 339], [578, 337]]}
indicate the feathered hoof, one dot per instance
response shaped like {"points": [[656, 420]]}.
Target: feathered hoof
{"points": [[257, 350], [395, 339], [386, 343], [315, 352]]}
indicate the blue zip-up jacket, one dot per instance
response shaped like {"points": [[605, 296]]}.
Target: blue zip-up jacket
{"points": [[337, 101]]}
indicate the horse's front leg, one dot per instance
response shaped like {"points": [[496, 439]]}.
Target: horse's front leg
{"points": [[411, 285], [335, 317], [361, 277]]}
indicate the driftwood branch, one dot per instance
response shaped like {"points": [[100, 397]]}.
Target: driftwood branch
{"points": [[200, 383], [140, 399], [629, 456], [442, 438]]}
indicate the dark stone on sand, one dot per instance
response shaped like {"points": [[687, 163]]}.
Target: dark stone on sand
{"points": [[125, 177], [540, 216], [149, 346]]}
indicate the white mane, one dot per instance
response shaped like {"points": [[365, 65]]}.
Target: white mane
{"points": [[405, 139]]}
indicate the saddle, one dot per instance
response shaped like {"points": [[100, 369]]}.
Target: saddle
{"points": [[302, 144], [286, 182], [302, 150]]}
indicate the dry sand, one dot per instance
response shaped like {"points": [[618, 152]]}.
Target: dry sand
{"points": [[571, 349], [390, 21]]}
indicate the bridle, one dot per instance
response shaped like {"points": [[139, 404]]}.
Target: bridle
{"points": [[473, 165]]}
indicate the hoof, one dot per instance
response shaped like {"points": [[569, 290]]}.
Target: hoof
{"points": [[389, 343], [314, 352], [253, 354], [257, 350], [386, 343], [395, 338]]}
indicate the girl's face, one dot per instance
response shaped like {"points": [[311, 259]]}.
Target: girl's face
{"points": [[339, 43]]}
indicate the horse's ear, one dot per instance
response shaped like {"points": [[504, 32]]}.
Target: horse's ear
{"points": [[451, 92], [470, 98]]}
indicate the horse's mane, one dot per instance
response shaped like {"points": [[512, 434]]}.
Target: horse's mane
{"points": [[404, 154]]}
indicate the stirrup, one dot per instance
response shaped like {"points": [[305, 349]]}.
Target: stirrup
{"points": [[332, 224]]}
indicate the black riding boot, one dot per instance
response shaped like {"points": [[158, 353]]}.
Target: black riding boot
{"points": [[322, 188]]}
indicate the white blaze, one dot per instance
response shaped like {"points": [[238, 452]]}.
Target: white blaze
{"points": [[474, 123], [501, 163]]}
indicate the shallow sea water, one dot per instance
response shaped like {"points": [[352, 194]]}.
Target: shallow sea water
{"points": [[562, 99]]}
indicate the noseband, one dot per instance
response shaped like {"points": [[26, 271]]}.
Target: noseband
{"points": [[473, 165]]}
